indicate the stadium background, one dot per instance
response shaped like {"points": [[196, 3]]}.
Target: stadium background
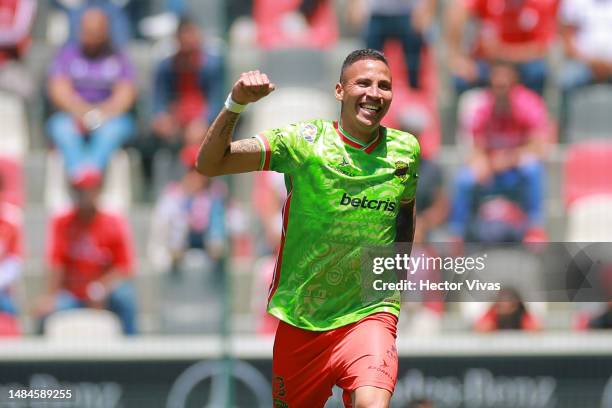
{"points": [[211, 315]]}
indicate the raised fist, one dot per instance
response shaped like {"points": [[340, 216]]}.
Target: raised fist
{"points": [[251, 87]]}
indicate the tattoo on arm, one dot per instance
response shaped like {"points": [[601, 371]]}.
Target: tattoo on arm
{"points": [[217, 140], [226, 125], [244, 146]]}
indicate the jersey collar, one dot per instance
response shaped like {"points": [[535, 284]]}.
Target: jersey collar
{"points": [[356, 143]]}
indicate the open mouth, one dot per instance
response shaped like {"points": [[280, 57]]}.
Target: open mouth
{"points": [[371, 108]]}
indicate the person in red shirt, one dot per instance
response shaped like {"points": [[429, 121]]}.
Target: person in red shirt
{"points": [[16, 18], [498, 196], [10, 263], [508, 312], [517, 31], [188, 93], [90, 257]]}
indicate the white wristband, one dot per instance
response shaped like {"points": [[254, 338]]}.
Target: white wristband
{"points": [[232, 106]]}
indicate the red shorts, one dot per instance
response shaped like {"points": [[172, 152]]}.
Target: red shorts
{"points": [[307, 364]]}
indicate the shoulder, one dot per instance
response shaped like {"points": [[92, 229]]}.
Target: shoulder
{"points": [[312, 130], [402, 141], [307, 131], [121, 56], [111, 220], [525, 99], [212, 53], [63, 217], [68, 51]]}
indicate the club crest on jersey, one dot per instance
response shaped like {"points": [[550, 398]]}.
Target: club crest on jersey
{"points": [[401, 170], [308, 132]]}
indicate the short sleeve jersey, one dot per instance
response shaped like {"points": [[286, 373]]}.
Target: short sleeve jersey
{"points": [[516, 22], [341, 197], [511, 128], [92, 78], [86, 252]]}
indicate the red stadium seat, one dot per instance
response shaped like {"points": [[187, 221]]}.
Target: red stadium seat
{"points": [[11, 171], [272, 32], [423, 101], [9, 326], [588, 171]]}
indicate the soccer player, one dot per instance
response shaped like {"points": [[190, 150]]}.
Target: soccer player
{"points": [[350, 183]]}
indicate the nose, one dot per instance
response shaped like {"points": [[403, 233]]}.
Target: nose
{"points": [[373, 92]]}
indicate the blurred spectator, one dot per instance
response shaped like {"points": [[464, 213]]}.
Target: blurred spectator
{"points": [[10, 264], [431, 201], [16, 18], [602, 320], [295, 23], [90, 258], [121, 28], [190, 214], [517, 31], [498, 197], [404, 20], [508, 312], [586, 31], [92, 86], [188, 94]]}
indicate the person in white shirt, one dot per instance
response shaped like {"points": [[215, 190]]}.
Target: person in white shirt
{"points": [[586, 30]]}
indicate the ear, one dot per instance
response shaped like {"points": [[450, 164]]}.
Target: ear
{"points": [[339, 93]]}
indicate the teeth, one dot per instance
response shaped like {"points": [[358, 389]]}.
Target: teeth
{"points": [[371, 107]]}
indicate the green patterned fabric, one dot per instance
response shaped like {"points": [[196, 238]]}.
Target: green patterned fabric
{"points": [[342, 197]]}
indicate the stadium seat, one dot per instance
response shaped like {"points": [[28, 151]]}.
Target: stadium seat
{"points": [[11, 170], [116, 191], [191, 300], [590, 219], [14, 140], [82, 324], [589, 113], [587, 171], [298, 67], [9, 326]]}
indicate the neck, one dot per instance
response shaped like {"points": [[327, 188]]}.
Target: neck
{"points": [[86, 214], [363, 135]]}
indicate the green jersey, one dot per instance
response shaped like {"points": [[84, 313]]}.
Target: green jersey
{"points": [[342, 195]]}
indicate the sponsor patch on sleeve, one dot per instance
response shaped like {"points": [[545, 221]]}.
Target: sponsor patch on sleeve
{"points": [[308, 132]]}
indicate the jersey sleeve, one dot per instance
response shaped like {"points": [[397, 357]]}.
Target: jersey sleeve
{"points": [[285, 150], [412, 179]]}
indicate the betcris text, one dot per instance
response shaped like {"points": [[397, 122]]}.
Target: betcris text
{"points": [[364, 202]]}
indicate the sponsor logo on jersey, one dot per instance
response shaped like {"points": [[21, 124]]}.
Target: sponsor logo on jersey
{"points": [[401, 170], [365, 202], [308, 132], [344, 167]]}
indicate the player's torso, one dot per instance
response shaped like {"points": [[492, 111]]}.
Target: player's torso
{"points": [[343, 197], [347, 193]]}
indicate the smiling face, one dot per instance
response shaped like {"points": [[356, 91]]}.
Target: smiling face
{"points": [[366, 94]]}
